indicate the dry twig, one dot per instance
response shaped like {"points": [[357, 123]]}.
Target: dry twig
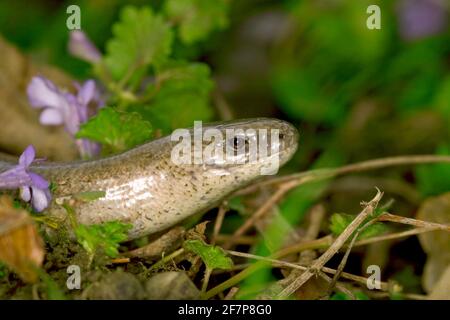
{"points": [[334, 248], [218, 223]]}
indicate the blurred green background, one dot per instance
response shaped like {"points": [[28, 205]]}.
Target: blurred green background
{"points": [[354, 93]]}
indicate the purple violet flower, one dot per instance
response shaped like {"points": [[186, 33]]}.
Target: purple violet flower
{"points": [[33, 187], [421, 18], [63, 108], [81, 46]]}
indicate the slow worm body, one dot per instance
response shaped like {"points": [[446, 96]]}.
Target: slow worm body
{"points": [[144, 186]]}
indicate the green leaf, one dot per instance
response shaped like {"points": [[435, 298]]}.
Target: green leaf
{"points": [[54, 292], [408, 279], [301, 95], [340, 221], [141, 39], [106, 236], [180, 96], [197, 18], [442, 98], [117, 131], [52, 289], [433, 179], [342, 296], [3, 270], [214, 257], [236, 204]]}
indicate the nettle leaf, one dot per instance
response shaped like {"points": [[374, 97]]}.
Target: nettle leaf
{"points": [[340, 221], [197, 18], [214, 257], [180, 97], [117, 131], [141, 38], [107, 236]]}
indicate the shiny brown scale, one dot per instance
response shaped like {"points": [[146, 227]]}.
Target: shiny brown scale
{"points": [[144, 187]]}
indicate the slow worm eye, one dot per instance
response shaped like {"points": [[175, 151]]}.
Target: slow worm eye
{"points": [[237, 143]]}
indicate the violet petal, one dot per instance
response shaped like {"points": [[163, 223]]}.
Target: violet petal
{"points": [[421, 18], [25, 193], [81, 46], [14, 178], [86, 92], [38, 181], [39, 199], [27, 156], [51, 116], [43, 93]]}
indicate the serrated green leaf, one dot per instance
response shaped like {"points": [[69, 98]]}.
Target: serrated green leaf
{"points": [[197, 18], [340, 221], [117, 131], [141, 38], [106, 236], [214, 257], [180, 97]]}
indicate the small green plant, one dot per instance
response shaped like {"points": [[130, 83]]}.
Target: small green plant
{"points": [[106, 237], [117, 131], [214, 258], [340, 221], [151, 89]]}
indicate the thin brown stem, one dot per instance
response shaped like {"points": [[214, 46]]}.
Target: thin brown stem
{"points": [[230, 295], [343, 262], [281, 263], [338, 286], [289, 182], [321, 174], [218, 223], [334, 248], [282, 190], [393, 236], [166, 259], [413, 222], [208, 272]]}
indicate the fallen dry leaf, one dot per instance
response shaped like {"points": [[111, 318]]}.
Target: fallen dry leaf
{"points": [[17, 114], [21, 247], [437, 243], [441, 290]]}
